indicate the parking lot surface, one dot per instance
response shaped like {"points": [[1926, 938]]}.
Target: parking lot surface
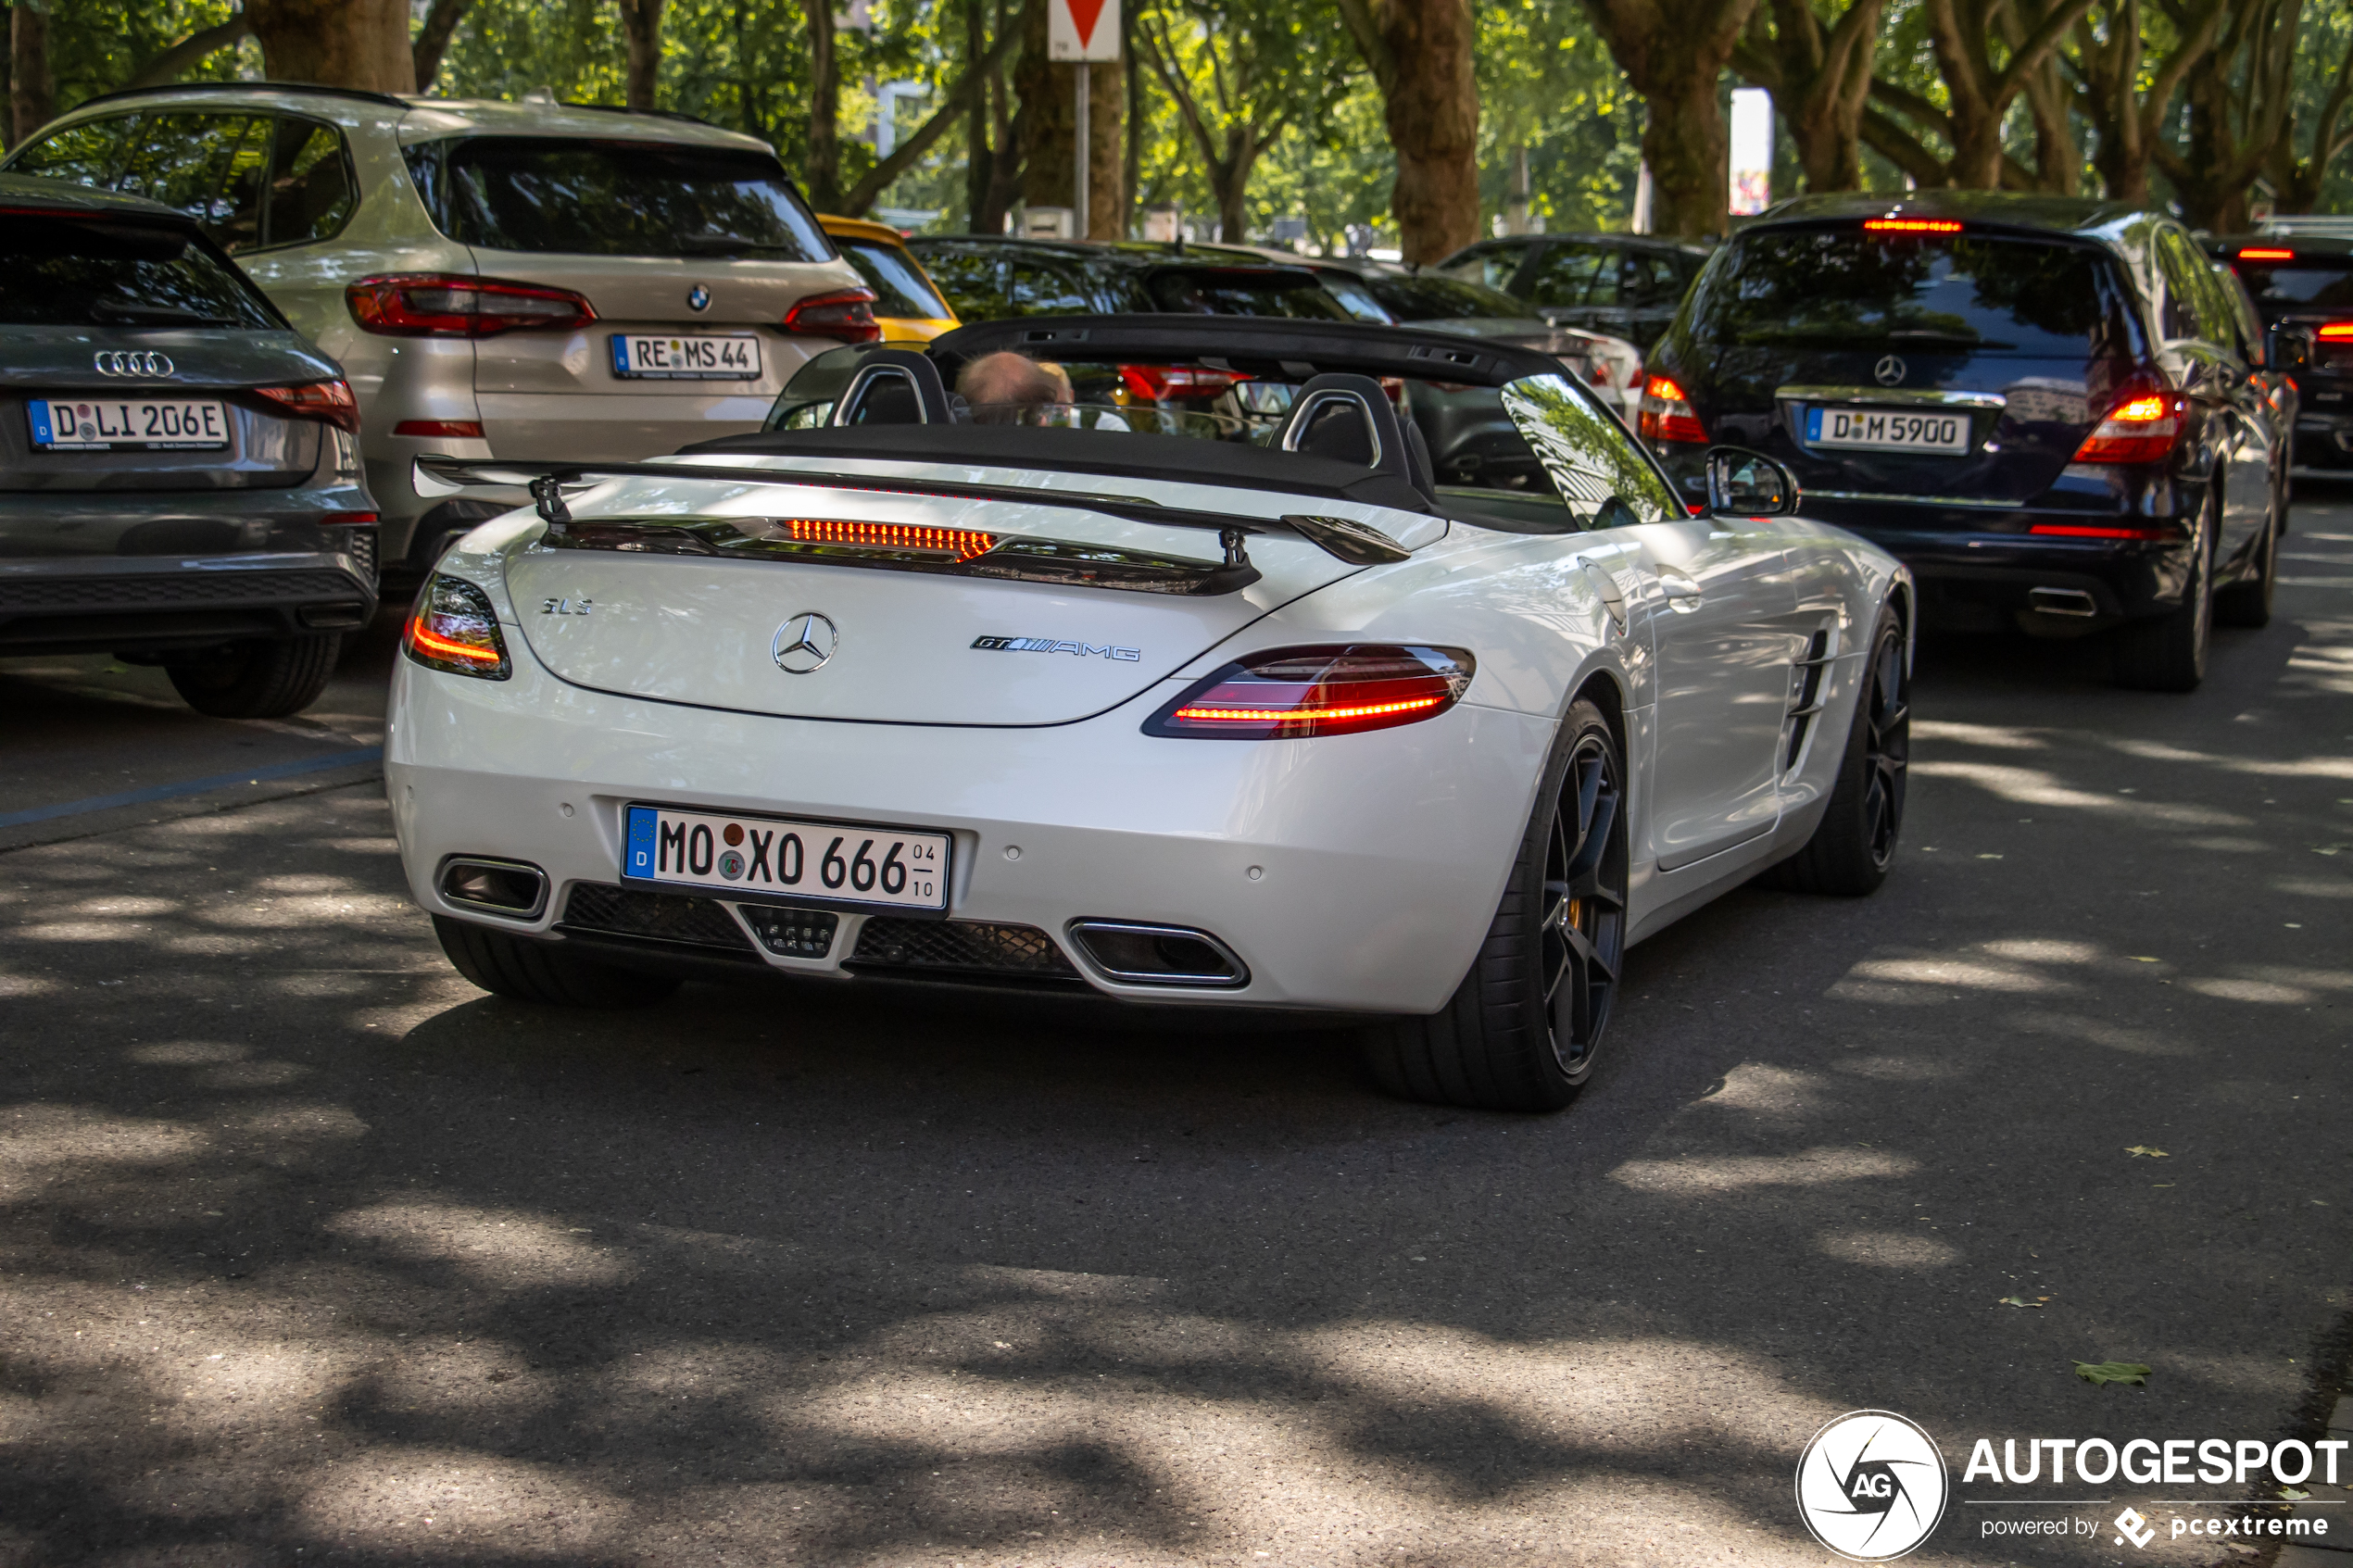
{"points": [[313, 1252]]}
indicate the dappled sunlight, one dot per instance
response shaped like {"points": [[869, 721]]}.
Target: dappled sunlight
{"points": [[2037, 786], [1760, 1088], [441, 1500], [491, 1247], [1992, 736], [1888, 1249], [1698, 1175]]}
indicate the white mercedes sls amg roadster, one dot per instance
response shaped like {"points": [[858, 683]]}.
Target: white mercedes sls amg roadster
{"points": [[1227, 662]]}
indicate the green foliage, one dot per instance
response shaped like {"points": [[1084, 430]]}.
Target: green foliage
{"points": [[96, 49]]}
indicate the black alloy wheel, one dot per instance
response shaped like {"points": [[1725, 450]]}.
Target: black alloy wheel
{"points": [[2167, 653], [1583, 927], [2248, 601], [1854, 842], [1523, 1028]]}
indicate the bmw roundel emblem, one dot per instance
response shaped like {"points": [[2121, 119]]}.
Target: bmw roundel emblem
{"points": [[699, 298]]}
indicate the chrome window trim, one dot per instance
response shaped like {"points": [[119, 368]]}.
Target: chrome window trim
{"points": [[1891, 396], [1977, 502]]}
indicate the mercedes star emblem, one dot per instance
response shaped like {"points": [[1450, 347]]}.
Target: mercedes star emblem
{"points": [[117, 362], [699, 298], [1889, 371], [804, 643]]}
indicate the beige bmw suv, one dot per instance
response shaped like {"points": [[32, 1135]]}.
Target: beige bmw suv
{"points": [[526, 279]]}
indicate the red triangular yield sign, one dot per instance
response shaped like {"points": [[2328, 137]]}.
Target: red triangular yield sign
{"points": [[1083, 14]]}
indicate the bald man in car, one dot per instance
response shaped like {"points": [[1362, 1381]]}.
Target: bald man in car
{"points": [[995, 385]]}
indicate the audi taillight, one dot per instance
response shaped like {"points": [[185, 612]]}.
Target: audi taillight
{"points": [[1287, 694], [447, 305], [1666, 413], [846, 314], [455, 629], [453, 429], [329, 402], [1156, 383], [2144, 427]]}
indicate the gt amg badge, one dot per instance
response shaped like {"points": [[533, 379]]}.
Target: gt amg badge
{"points": [[804, 643], [1047, 644]]}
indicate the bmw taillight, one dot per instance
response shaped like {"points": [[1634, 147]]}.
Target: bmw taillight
{"points": [[1157, 384], [329, 402], [449, 305], [454, 628], [1666, 413], [1287, 694], [846, 314], [2143, 426]]}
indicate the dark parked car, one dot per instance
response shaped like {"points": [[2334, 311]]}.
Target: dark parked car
{"points": [[2042, 405], [987, 279], [1627, 285], [2303, 293], [180, 481]]}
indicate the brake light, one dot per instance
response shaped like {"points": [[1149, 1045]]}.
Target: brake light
{"points": [[2251, 255], [455, 629], [1156, 383], [2337, 331], [2143, 428], [2085, 531], [328, 401], [447, 305], [1911, 226], [352, 519], [846, 314], [1288, 694], [960, 543], [455, 430], [1666, 413]]}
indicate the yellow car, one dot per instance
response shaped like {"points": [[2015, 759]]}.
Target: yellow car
{"points": [[907, 302]]}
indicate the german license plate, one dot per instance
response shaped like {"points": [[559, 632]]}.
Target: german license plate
{"points": [[781, 859], [1887, 430], [143, 424], [707, 357]]}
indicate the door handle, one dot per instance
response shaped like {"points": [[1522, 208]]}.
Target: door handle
{"points": [[1682, 593], [1606, 588]]}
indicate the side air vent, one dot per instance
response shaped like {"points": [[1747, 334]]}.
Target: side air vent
{"points": [[1158, 955], [1806, 695]]}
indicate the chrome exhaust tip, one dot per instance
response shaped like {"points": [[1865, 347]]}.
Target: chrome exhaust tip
{"points": [[2062, 601], [1135, 954], [514, 888]]}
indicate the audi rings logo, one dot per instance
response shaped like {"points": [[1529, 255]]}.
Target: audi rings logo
{"points": [[119, 362], [1871, 1486], [804, 643]]}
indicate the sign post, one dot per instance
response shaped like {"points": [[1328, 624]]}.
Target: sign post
{"points": [[1083, 31]]}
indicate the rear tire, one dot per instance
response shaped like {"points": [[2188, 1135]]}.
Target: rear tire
{"points": [[543, 972], [2249, 603], [2168, 653], [1523, 1029], [257, 679], [1854, 842]]}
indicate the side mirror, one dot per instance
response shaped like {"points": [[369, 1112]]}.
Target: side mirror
{"points": [[1747, 484]]}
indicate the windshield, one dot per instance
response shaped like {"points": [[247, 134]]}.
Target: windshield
{"points": [[1428, 296], [2309, 282], [1839, 288], [80, 273], [900, 288], [573, 197]]}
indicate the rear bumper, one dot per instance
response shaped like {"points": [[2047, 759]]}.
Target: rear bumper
{"points": [[143, 604]]}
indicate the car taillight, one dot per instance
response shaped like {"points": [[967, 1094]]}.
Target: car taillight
{"points": [[1910, 226], [2143, 428], [2101, 530], [454, 430], [454, 628], [1666, 414], [2253, 255], [1286, 694], [445, 305], [1156, 383], [328, 401], [2336, 332], [846, 314], [355, 519]]}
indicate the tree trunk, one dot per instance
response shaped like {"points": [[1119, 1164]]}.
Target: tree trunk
{"points": [[821, 172], [433, 39], [641, 38], [1131, 172], [166, 67], [2297, 180], [1672, 50], [1106, 159], [980, 163], [1962, 32], [1421, 52], [1049, 109], [361, 43], [31, 92], [1819, 81], [2241, 98]]}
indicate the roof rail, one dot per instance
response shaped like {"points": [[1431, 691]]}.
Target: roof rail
{"points": [[385, 100], [658, 114]]}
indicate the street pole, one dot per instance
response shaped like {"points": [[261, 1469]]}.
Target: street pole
{"points": [[1085, 159]]}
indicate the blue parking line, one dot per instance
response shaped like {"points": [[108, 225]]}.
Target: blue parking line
{"points": [[193, 787]]}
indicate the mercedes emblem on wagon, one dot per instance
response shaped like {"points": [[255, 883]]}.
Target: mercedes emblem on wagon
{"points": [[1890, 371], [804, 643]]}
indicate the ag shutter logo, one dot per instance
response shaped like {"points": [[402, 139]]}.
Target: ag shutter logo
{"points": [[1871, 1486]]}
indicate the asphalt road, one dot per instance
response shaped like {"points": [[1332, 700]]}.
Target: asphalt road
{"points": [[309, 1251]]}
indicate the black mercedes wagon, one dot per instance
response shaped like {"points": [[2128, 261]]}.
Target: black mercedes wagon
{"points": [[2046, 406]]}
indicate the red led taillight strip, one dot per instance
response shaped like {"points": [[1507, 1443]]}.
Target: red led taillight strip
{"points": [[962, 542], [1304, 715], [1911, 226]]}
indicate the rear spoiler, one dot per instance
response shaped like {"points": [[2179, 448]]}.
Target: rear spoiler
{"points": [[1358, 544]]}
